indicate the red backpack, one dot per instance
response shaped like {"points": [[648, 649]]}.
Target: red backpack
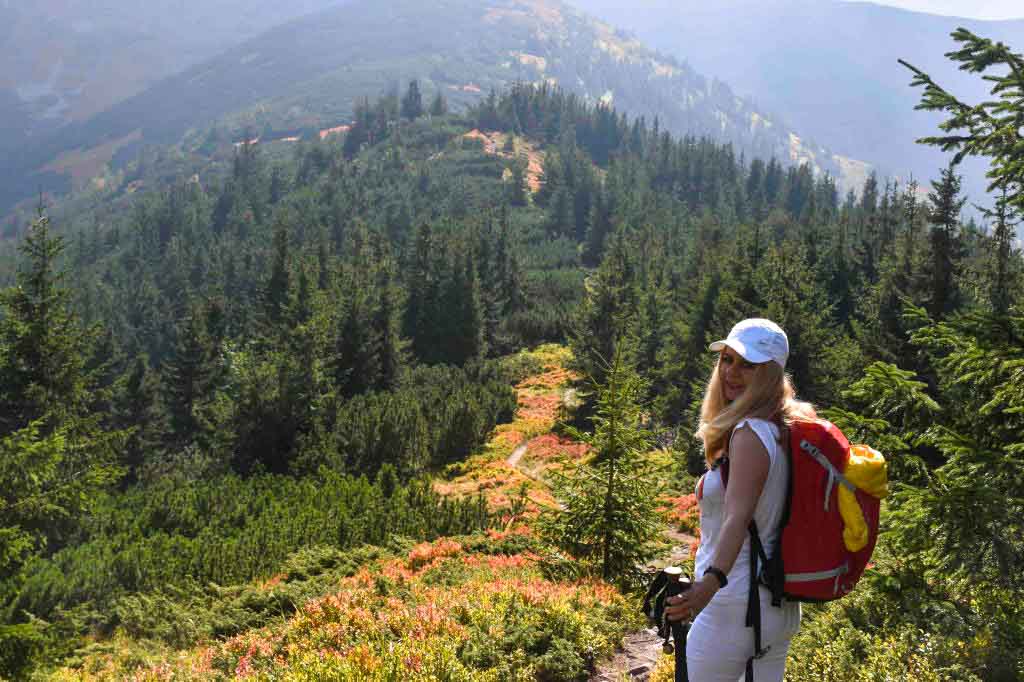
{"points": [[811, 562], [815, 563]]}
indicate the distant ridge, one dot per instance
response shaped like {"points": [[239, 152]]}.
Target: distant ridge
{"points": [[308, 74], [955, 14], [828, 66]]}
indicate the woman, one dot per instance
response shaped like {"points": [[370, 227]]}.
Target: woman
{"points": [[747, 406]]}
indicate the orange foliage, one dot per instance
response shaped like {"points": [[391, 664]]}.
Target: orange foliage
{"points": [[273, 582], [542, 406], [500, 477], [427, 552], [683, 511], [508, 438], [554, 378], [362, 629], [549, 446], [498, 535], [681, 508], [325, 133]]}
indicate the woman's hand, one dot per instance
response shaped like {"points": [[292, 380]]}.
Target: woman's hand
{"points": [[687, 605]]}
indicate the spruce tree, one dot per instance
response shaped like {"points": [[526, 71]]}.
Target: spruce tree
{"points": [[552, 178], [276, 293], [783, 289], [755, 189], [508, 274], [868, 223], [990, 129], [412, 102], [1004, 279], [190, 377], [438, 106], [608, 311], [517, 190], [561, 222], [912, 217], [609, 517], [956, 443], [54, 457], [302, 305], [599, 226], [139, 410], [45, 349], [388, 328], [946, 240], [424, 288], [356, 364], [464, 312], [490, 271]]}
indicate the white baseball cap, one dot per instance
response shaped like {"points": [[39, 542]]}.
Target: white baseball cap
{"points": [[757, 340]]}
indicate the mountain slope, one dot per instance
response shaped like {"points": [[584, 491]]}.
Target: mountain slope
{"points": [[828, 66], [309, 73], [66, 60]]}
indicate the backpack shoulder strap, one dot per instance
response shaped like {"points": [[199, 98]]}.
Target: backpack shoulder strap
{"points": [[757, 553]]}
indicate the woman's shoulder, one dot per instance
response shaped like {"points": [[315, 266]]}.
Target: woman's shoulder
{"points": [[766, 431], [757, 424]]}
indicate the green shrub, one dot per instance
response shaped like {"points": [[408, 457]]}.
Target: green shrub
{"points": [[19, 645], [230, 530]]}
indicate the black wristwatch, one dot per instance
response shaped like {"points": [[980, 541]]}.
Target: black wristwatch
{"points": [[718, 573]]}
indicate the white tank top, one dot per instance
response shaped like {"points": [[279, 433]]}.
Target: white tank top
{"points": [[767, 513]]}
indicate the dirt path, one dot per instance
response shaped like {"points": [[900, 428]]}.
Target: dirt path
{"points": [[639, 655], [517, 454], [642, 650]]}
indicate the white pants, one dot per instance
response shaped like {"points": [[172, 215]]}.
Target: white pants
{"points": [[720, 643]]}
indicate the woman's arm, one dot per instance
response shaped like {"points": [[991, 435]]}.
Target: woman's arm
{"points": [[748, 471]]}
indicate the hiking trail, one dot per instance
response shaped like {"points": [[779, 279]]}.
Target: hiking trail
{"points": [[517, 454], [641, 650]]}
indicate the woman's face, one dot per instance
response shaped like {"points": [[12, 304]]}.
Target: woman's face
{"points": [[735, 373]]}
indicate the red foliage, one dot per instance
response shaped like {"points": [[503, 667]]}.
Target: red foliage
{"points": [[497, 535], [551, 446], [426, 552], [681, 509], [542, 406], [553, 378], [274, 581]]}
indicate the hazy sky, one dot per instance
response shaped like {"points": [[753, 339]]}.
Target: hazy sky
{"points": [[973, 9]]}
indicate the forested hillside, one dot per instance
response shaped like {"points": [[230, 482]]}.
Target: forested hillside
{"points": [[308, 75], [248, 411]]}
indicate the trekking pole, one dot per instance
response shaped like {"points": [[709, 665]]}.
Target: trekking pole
{"points": [[676, 586]]}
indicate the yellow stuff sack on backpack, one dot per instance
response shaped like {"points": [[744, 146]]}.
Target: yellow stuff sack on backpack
{"points": [[867, 471]]}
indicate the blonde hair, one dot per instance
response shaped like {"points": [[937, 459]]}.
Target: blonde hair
{"points": [[769, 395]]}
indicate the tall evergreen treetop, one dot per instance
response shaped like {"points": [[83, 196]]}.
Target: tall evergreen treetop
{"points": [[992, 128], [44, 349], [412, 102], [438, 106], [947, 247]]}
